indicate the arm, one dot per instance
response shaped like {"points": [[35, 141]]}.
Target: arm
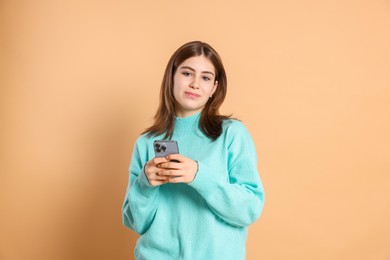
{"points": [[141, 200], [240, 201]]}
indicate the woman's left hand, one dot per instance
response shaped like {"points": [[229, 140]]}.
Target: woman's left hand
{"points": [[184, 170]]}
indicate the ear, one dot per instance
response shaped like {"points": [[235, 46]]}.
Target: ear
{"points": [[214, 87]]}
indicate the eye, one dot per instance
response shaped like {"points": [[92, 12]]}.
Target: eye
{"points": [[186, 73], [206, 78]]}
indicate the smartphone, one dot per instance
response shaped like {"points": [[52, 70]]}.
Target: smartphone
{"points": [[163, 148]]}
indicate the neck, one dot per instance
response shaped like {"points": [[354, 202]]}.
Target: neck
{"points": [[187, 125], [184, 114]]}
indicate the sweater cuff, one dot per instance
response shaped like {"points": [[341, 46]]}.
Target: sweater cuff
{"points": [[144, 186], [205, 181]]}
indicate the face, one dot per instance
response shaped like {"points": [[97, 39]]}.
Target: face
{"points": [[193, 84]]}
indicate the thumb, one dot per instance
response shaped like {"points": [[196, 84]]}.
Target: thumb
{"points": [[176, 157]]}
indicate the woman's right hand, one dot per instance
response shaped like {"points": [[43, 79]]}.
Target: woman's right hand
{"points": [[152, 172]]}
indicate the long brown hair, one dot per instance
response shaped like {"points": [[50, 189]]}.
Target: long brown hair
{"points": [[210, 119]]}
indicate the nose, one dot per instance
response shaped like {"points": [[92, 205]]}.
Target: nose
{"points": [[194, 84]]}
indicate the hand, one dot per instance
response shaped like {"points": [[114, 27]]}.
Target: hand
{"points": [[184, 170], [152, 172]]}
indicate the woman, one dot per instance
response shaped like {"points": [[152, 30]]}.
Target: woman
{"points": [[199, 203]]}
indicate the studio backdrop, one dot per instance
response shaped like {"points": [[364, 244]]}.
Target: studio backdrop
{"points": [[79, 81]]}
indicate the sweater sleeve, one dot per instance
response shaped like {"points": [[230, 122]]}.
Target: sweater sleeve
{"points": [[140, 204], [240, 200]]}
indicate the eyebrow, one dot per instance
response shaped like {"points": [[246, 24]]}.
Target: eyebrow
{"points": [[187, 67]]}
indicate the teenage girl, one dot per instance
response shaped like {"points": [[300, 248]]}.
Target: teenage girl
{"points": [[196, 204]]}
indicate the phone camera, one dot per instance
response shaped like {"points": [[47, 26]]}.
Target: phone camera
{"points": [[160, 148]]}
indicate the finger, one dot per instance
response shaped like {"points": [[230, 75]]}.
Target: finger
{"points": [[158, 183], [177, 156], [170, 165], [159, 178], [151, 170], [157, 160], [176, 180], [171, 173]]}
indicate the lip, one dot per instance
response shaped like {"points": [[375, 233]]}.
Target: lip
{"points": [[191, 94]]}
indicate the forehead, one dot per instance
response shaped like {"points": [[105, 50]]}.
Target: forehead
{"points": [[199, 63]]}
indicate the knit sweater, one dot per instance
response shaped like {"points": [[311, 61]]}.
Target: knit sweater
{"points": [[207, 218]]}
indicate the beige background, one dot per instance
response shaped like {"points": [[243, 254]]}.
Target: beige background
{"points": [[80, 80]]}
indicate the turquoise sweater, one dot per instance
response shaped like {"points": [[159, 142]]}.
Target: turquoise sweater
{"points": [[207, 218]]}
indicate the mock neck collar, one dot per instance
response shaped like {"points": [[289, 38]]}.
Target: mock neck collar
{"points": [[187, 125]]}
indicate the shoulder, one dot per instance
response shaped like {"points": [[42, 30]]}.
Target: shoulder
{"points": [[142, 146], [146, 140], [235, 132], [143, 141], [234, 126], [239, 141], [143, 138]]}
